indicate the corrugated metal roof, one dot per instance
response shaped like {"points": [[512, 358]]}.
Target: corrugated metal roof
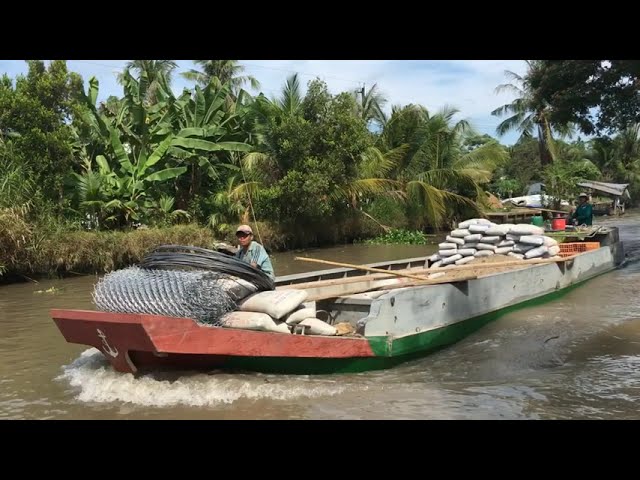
{"points": [[612, 188]]}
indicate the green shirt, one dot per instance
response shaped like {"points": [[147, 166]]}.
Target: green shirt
{"points": [[257, 253], [584, 214]]}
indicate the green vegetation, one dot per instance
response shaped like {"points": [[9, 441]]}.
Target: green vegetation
{"points": [[596, 95], [88, 186], [400, 237]]}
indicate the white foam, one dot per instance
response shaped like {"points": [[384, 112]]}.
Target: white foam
{"points": [[98, 382]]}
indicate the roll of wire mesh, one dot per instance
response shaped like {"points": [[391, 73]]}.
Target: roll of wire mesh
{"points": [[179, 256], [180, 281]]}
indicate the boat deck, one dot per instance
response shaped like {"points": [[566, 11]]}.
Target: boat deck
{"points": [[516, 215]]}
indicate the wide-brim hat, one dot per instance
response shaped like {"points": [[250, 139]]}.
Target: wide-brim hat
{"points": [[244, 229]]}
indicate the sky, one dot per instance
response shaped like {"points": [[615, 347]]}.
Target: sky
{"points": [[467, 85]]}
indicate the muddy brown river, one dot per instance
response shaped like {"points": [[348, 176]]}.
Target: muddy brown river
{"points": [[573, 358]]}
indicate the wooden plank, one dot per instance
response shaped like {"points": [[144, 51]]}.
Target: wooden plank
{"points": [[359, 267], [354, 279], [422, 271], [520, 263], [444, 279], [435, 281]]}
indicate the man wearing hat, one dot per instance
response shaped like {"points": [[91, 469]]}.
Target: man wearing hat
{"points": [[252, 252], [583, 214]]}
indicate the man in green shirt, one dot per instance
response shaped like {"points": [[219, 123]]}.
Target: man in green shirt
{"points": [[583, 214], [252, 252]]}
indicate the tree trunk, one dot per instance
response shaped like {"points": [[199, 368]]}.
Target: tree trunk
{"points": [[545, 154]]}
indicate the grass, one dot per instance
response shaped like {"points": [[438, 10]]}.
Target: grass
{"points": [[42, 247], [34, 252]]}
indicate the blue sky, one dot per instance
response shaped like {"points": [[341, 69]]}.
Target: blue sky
{"points": [[468, 85]]}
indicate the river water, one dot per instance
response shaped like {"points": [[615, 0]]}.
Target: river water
{"points": [[574, 358]]}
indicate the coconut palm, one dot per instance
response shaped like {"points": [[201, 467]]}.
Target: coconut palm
{"points": [[528, 113], [370, 104], [261, 164], [619, 158], [224, 70], [437, 174], [148, 72]]}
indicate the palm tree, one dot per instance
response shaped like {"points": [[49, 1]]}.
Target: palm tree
{"points": [[528, 113], [152, 68], [619, 158], [224, 70], [262, 163], [436, 173], [149, 72], [370, 104]]}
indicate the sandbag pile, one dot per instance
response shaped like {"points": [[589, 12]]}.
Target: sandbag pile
{"points": [[478, 237], [277, 311]]}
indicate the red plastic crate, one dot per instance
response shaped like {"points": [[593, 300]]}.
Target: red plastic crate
{"points": [[572, 248]]}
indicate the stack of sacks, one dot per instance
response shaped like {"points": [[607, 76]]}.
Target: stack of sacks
{"points": [[530, 242], [473, 238], [277, 311], [479, 237]]}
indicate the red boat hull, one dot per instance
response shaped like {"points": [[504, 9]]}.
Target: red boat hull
{"points": [[135, 341]]}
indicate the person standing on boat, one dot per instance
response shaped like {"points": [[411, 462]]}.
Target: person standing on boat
{"points": [[252, 252], [583, 214]]}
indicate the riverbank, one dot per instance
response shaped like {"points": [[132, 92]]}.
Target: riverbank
{"points": [[31, 252]]}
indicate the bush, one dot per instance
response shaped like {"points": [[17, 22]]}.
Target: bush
{"points": [[399, 237], [387, 211]]}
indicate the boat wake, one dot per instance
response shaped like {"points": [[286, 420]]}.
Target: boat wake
{"points": [[98, 382]]}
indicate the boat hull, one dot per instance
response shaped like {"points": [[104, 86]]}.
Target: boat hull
{"points": [[381, 352], [399, 325], [134, 341], [416, 317]]}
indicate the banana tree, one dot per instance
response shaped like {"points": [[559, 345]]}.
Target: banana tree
{"points": [[208, 129], [125, 191], [195, 131]]}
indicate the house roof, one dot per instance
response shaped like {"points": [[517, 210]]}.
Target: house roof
{"points": [[618, 189]]}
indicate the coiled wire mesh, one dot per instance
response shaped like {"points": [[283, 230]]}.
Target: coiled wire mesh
{"points": [[180, 257], [181, 281], [198, 294]]}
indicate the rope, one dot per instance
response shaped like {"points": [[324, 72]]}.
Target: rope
{"points": [[253, 212]]}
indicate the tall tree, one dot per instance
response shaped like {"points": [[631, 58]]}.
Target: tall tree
{"points": [[39, 109], [597, 95], [370, 104], [528, 112], [225, 70], [309, 154], [148, 72]]}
